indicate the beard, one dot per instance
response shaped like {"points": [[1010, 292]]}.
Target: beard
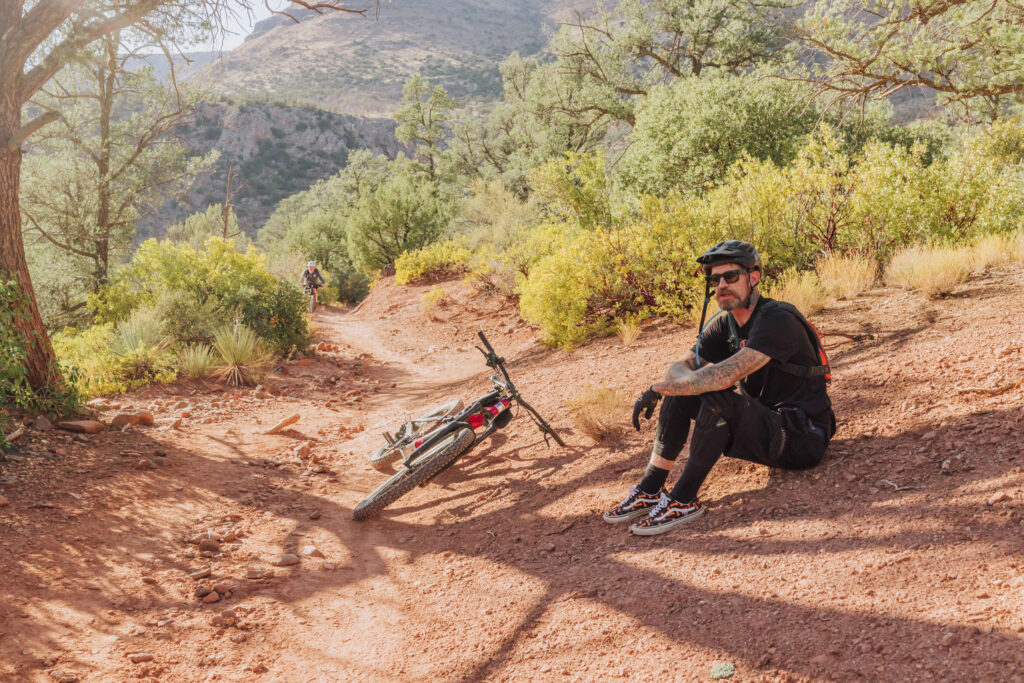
{"points": [[732, 302]]}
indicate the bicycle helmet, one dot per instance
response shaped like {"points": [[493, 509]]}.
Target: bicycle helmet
{"points": [[730, 251], [311, 264]]}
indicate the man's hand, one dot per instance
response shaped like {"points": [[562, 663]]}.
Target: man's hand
{"points": [[645, 404]]}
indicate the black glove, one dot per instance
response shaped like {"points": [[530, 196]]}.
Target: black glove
{"points": [[645, 404]]}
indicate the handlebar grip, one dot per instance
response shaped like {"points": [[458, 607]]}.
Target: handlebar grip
{"points": [[487, 344]]}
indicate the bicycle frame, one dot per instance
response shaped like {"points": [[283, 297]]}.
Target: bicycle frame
{"points": [[503, 390]]}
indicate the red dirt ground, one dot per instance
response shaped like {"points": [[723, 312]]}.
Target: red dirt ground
{"points": [[898, 559]]}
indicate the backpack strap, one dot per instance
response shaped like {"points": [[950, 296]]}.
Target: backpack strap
{"points": [[822, 370]]}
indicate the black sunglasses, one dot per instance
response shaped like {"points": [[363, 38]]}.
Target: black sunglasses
{"points": [[730, 276]]}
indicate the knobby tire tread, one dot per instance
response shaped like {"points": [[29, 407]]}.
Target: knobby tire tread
{"points": [[403, 482]]}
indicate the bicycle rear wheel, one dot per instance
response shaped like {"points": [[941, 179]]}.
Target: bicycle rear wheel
{"points": [[386, 455], [422, 469]]}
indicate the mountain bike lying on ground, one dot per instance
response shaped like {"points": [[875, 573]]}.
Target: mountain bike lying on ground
{"points": [[430, 444]]}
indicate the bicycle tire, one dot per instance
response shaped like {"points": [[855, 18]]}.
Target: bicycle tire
{"points": [[385, 456], [425, 467]]}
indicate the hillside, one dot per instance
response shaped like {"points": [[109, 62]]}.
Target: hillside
{"points": [[897, 559], [276, 150], [358, 64]]}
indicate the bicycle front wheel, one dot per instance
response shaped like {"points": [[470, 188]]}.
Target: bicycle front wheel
{"points": [[424, 468]]}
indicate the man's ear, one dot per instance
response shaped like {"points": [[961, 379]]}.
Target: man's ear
{"points": [[755, 277]]}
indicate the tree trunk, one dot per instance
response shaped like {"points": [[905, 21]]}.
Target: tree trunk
{"points": [[41, 362]]}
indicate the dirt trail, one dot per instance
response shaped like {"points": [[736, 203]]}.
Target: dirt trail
{"points": [[898, 559]]}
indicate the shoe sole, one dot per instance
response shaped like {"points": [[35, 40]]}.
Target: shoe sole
{"points": [[668, 526], [629, 516]]}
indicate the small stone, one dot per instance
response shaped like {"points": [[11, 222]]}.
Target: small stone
{"points": [[928, 436], [222, 588], [202, 591], [4, 502], [229, 617], [310, 551], [209, 545], [998, 497], [238, 637], [175, 423], [64, 676], [949, 639], [201, 574], [315, 514], [139, 657], [288, 421], [254, 574], [42, 424], [302, 450], [217, 620], [285, 560], [160, 454], [211, 597], [81, 426]]}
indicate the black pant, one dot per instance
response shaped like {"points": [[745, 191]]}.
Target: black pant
{"points": [[738, 426]]}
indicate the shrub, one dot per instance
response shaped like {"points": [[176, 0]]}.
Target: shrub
{"points": [[140, 349], [440, 258], [217, 276], [243, 358], [90, 351], [599, 411], [628, 330], [195, 361], [934, 271], [845, 277], [432, 299], [643, 268], [802, 289]]}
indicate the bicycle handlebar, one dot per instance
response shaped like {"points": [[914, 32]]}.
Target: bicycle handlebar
{"points": [[494, 361]]}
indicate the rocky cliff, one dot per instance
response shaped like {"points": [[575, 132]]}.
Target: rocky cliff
{"points": [[274, 151]]}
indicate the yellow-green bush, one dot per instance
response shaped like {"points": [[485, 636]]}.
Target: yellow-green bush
{"points": [[643, 268], [90, 352], [846, 276], [447, 257]]}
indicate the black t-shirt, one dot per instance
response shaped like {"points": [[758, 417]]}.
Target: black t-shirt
{"points": [[777, 333]]}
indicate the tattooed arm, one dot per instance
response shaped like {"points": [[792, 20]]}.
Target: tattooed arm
{"points": [[685, 366], [713, 377]]}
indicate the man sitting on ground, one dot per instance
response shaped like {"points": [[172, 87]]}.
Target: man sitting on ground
{"points": [[781, 417]]}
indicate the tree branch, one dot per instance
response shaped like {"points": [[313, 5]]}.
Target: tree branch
{"points": [[19, 136]]}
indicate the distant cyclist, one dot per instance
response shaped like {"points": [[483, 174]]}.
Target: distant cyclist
{"points": [[311, 280]]}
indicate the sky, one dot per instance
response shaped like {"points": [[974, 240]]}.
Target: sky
{"points": [[239, 27]]}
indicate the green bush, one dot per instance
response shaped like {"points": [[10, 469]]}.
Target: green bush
{"points": [[60, 397], [90, 351], [217, 276], [643, 268]]}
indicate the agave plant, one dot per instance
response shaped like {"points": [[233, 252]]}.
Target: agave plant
{"points": [[196, 360], [139, 345], [244, 359]]}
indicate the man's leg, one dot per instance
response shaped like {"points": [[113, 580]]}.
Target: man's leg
{"points": [[670, 438]]}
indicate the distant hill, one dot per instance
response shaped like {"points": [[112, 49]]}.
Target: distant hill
{"points": [[358, 65], [276, 151]]}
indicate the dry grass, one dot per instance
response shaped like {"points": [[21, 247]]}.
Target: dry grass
{"points": [[599, 411], [1015, 246], [933, 271], [844, 277], [803, 290], [628, 331], [695, 311], [990, 250], [196, 361]]}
